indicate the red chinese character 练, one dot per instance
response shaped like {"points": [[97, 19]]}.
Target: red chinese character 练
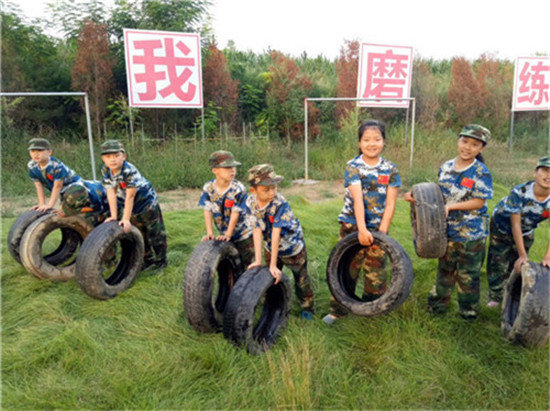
{"points": [[533, 88]]}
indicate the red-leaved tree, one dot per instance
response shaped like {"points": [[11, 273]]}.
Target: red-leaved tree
{"points": [[93, 69], [219, 87], [464, 95], [346, 69]]}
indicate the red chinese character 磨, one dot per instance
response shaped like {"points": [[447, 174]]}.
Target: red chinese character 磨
{"points": [[386, 75]]}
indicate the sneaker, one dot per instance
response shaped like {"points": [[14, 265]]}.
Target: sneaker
{"points": [[306, 315], [329, 319], [493, 304]]}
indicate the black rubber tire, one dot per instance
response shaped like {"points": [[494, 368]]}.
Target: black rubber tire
{"points": [[67, 246], [30, 249], [209, 262], [525, 308], [428, 221], [239, 326], [340, 284], [90, 260]]}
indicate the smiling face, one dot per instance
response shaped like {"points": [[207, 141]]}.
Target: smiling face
{"points": [[371, 144], [114, 161], [469, 148], [542, 178]]}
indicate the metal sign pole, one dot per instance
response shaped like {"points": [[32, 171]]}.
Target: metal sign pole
{"points": [[306, 139]]}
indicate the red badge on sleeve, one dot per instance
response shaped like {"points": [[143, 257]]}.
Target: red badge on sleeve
{"points": [[122, 185], [467, 182], [546, 214], [50, 177], [383, 179], [228, 203], [271, 219]]}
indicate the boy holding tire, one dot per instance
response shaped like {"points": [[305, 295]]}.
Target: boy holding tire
{"points": [[275, 223], [47, 172], [512, 229], [134, 195], [221, 201]]}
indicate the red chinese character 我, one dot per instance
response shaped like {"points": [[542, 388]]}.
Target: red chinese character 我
{"points": [[163, 69], [170, 63], [386, 75], [533, 88]]}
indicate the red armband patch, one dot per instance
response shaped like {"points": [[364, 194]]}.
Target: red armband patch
{"points": [[228, 203], [467, 182], [383, 179]]}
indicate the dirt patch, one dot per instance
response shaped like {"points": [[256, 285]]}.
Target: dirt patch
{"points": [[188, 198]]}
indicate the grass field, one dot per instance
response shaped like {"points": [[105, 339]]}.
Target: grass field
{"points": [[64, 350]]}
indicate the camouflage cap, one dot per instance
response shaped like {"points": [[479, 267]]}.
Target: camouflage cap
{"points": [[263, 175], [544, 162], [222, 159], [39, 144], [74, 199], [476, 131], [112, 146]]}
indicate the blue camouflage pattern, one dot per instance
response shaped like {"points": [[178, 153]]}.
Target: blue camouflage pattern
{"points": [[277, 214], [222, 205], [459, 186], [129, 177], [374, 181], [521, 200], [55, 170]]}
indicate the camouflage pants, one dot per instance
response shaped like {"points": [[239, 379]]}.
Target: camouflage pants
{"points": [[151, 225], [303, 285], [500, 260], [461, 264], [246, 250], [373, 262]]}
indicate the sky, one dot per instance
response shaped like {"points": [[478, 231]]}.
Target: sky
{"points": [[435, 29]]}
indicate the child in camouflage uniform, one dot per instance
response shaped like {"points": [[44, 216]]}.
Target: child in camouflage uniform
{"points": [[87, 198], [274, 222], [512, 231], [466, 184], [128, 190], [47, 172], [371, 184], [221, 199]]}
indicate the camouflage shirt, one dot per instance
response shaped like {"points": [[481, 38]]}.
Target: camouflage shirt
{"points": [[221, 205], [374, 181], [277, 214], [474, 181], [521, 200], [130, 177], [55, 170]]}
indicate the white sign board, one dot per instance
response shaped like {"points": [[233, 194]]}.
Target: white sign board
{"points": [[163, 69], [531, 84], [385, 72]]}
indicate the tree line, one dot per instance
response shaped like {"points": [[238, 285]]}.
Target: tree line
{"points": [[265, 90]]}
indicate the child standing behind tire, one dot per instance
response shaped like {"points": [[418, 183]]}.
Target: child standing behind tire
{"points": [[512, 231], [371, 184], [128, 190], [466, 184], [221, 200], [274, 222]]}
